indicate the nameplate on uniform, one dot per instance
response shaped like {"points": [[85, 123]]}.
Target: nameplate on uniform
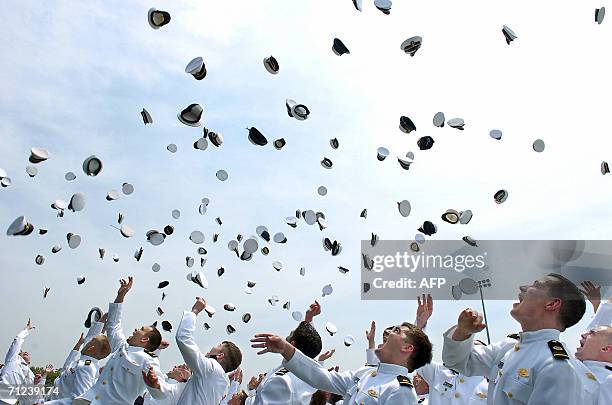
{"points": [[557, 350], [281, 371], [447, 384], [404, 381]]}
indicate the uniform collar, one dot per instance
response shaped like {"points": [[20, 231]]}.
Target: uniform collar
{"points": [[538, 335], [135, 349], [591, 364], [86, 357], [394, 369]]}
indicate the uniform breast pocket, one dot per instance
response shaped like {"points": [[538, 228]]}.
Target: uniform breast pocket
{"points": [[517, 389], [131, 368], [365, 397]]}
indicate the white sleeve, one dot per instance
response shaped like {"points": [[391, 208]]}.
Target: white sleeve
{"points": [[275, 391], [233, 389], [471, 360], [166, 390], [309, 371], [94, 330], [428, 373], [72, 357], [15, 348], [114, 331], [603, 316], [371, 357], [188, 347]]}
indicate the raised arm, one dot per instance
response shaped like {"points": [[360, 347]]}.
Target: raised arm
{"points": [[114, 331], [313, 310], [459, 352], [186, 343], [371, 357], [305, 368], [424, 311], [74, 353], [15, 348]]}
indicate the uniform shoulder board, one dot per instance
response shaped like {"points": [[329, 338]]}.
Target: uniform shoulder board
{"points": [[404, 381], [514, 336], [151, 353], [557, 350], [608, 368], [281, 371], [87, 362]]}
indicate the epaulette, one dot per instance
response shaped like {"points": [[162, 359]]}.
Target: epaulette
{"points": [[281, 371], [404, 381], [608, 368], [150, 353], [514, 336], [557, 350], [87, 362]]}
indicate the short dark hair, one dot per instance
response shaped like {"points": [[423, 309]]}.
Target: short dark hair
{"points": [[573, 304], [232, 356], [306, 339], [422, 347], [155, 339]]}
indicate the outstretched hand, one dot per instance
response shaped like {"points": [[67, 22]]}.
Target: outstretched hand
{"points": [[469, 322], [313, 310], [29, 325], [126, 286], [326, 355], [271, 343], [592, 293], [150, 378], [199, 305], [371, 335], [424, 310]]}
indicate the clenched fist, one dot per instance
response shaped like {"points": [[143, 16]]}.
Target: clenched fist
{"points": [[469, 322]]}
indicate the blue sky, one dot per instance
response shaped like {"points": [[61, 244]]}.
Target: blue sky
{"points": [[75, 76]]}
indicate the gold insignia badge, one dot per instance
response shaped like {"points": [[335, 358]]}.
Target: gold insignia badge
{"points": [[523, 372], [481, 395], [372, 393], [590, 376], [558, 347], [373, 373]]}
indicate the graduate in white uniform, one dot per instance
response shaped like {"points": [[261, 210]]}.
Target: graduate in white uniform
{"points": [[176, 378], [121, 380], [81, 374], [65, 381], [536, 368], [280, 386], [209, 381], [16, 370], [407, 348], [595, 351]]}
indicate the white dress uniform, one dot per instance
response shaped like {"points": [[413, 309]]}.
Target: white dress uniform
{"points": [[175, 389], [447, 386], [72, 381], [121, 380], [233, 389], [603, 316], [387, 384], [281, 387], [534, 370], [16, 371], [479, 396], [208, 382]]}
